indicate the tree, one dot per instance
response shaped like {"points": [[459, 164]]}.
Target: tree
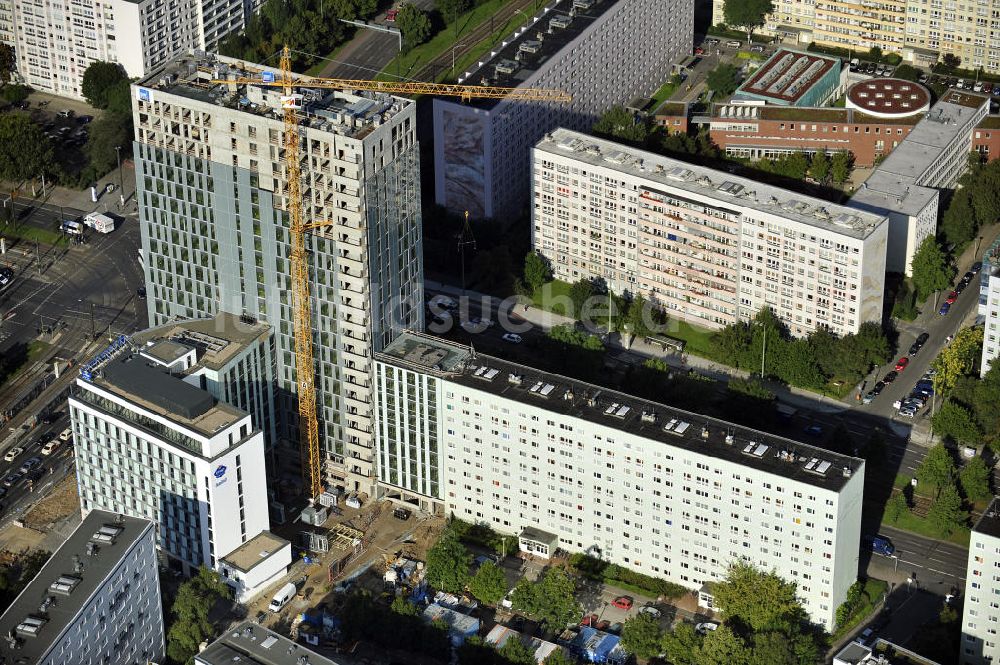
{"points": [[946, 513], [448, 563], [618, 123], [938, 469], [896, 507], [819, 168], [451, 10], [955, 422], [536, 271], [98, 78], [958, 224], [840, 166], [638, 317], [681, 646], [985, 194], [558, 657], [14, 93], [25, 153], [8, 63], [931, 269], [906, 72], [875, 54], [642, 636], [975, 480], [403, 607], [951, 61], [556, 595], [120, 98], [111, 131], [525, 598], [723, 645], [191, 610], [488, 584], [757, 599], [958, 359], [515, 652], [580, 293], [773, 648], [747, 14], [414, 24], [724, 79]]}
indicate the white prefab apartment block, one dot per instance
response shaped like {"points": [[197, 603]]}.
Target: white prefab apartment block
{"points": [[989, 306], [602, 52], [153, 442], [980, 644], [706, 246], [95, 601], [56, 40], [213, 202], [655, 489]]}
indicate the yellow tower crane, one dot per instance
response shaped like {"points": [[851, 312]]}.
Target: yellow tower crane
{"points": [[301, 304]]}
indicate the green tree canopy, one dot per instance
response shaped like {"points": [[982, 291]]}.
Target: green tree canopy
{"points": [[536, 271], [840, 166], [975, 480], [98, 78], [938, 469], [958, 224], [580, 292], [551, 599], [896, 507], [725, 78], [451, 10], [958, 359], [946, 513], [819, 167], [757, 599], [448, 563], [682, 645], [747, 14], [25, 153], [986, 194], [489, 584], [111, 131], [515, 652], [620, 124], [932, 271], [907, 72], [414, 24], [956, 422], [559, 657], [191, 611], [8, 62], [951, 61], [639, 316], [723, 645], [642, 636], [14, 93]]}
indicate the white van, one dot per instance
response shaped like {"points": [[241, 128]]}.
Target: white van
{"points": [[285, 594]]}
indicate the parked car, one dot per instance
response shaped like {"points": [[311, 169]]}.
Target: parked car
{"points": [[960, 287], [732, 43], [901, 364], [29, 464], [869, 397], [13, 479], [878, 387], [651, 611], [976, 267], [945, 308], [756, 48], [12, 454], [866, 637], [699, 50], [391, 15], [908, 411], [881, 545], [706, 626], [890, 376], [623, 602], [65, 113], [919, 343], [50, 447], [967, 277], [952, 297], [513, 338]]}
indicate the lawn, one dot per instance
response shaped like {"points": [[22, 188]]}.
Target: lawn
{"points": [[32, 234], [663, 94], [553, 297], [870, 596], [919, 525], [697, 340], [418, 58]]}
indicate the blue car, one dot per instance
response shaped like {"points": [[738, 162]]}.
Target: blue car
{"points": [[813, 430], [945, 308]]}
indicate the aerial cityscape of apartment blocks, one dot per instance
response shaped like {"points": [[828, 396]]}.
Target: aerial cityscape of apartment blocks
{"points": [[586, 469], [705, 245], [212, 192], [921, 31], [981, 611], [96, 601], [56, 40], [482, 150], [154, 440]]}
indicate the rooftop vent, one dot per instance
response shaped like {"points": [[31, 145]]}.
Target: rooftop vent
{"points": [[755, 449], [592, 400], [730, 439], [106, 534], [64, 585], [30, 626], [705, 432], [514, 379], [680, 173], [676, 426], [649, 416], [568, 395], [506, 67], [268, 642], [560, 22], [530, 46], [847, 472], [730, 188]]}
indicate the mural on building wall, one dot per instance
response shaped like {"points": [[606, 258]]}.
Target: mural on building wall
{"points": [[464, 162]]}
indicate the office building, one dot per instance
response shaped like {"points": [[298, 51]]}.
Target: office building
{"points": [[482, 149], [980, 644], [212, 192], [706, 246], [918, 33], [932, 156], [668, 493], [153, 441], [255, 645], [57, 40], [95, 601], [795, 78]]}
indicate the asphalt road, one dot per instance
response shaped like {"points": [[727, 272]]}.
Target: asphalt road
{"points": [[18, 495]]}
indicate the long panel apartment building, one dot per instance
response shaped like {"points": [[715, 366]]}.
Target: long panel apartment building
{"points": [[706, 246], [980, 615], [154, 440], [95, 601], [564, 464], [56, 40], [482, 150], [213, 200]]}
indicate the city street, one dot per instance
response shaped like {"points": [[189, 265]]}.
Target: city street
{"points": [[55, 467]]}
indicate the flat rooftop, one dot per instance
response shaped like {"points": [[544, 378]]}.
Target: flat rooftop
{"points": [[250, 644], [255, 551], [217, 340], [989, 521], [813, 114], [885, 191], [724, 188], [788, 75], [529, 49], [651, 420], [889, 96], [348, 113], [71, 576]]}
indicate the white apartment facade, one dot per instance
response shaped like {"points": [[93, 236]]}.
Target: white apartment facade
{"points": [[661, 491], [980, 644], [920, 31], [152, 443], [482, 150], [989, 307], [706, 246], [95, 601], [213, 203], [56, 40]]}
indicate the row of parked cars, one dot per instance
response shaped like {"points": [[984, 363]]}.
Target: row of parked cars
{"points": [[870, 68]]}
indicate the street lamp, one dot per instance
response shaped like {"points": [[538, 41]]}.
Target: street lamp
{"points": [[453, 57], [121, 179]]}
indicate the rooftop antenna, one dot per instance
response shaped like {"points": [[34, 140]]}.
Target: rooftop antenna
{"points": [[465, 238]]}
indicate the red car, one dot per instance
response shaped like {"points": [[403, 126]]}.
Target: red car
{"points": [[699, 50], [952, 297], [623, 602], [901, 364], [391, 15], [588, 620]]}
